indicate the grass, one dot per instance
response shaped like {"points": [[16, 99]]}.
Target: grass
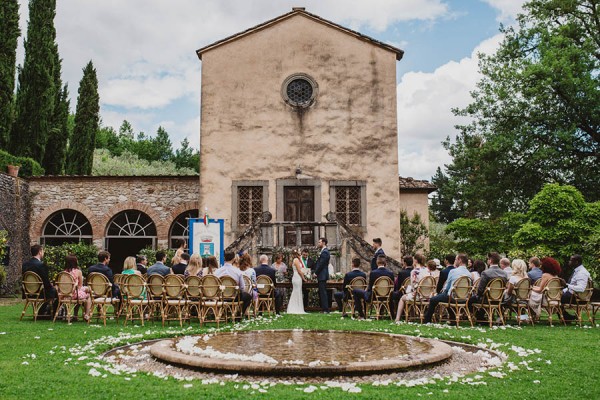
{"points": [[34, 363]]}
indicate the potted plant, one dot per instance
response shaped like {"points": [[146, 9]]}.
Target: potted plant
{"points": [[13, 170]]}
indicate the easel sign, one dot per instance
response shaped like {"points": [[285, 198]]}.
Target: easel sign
{"points": [[206, 237]]}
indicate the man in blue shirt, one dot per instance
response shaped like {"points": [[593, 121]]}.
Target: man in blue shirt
{"points": [[453, 275], [229, 270], [159, 267]]}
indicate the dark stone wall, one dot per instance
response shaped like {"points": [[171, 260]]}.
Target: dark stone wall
{"points": [[14, 218]]}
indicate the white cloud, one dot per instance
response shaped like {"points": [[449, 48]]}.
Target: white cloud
{"points": [[508, 8], [425, 119]]}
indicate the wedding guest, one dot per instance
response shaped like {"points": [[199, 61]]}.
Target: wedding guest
{"points": [[418, 274], [505, 265], [407, 268], [365, 295], [35, 264], [433, 271], [550, 269], [211, 265], [449, 266], [229, 270], [535, 272], [519, 271], [342, 296], [142, 263], [103, 268], [194, 267], [159, 267], [478, 268], [378, 252], [80, 292], [493, 272], [247, 270], [264, 269], [577, 283], [279, 265], [130, 267], [180, 267]]}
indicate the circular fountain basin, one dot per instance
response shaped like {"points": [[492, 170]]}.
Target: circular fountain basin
{"points": [[301, 352]]}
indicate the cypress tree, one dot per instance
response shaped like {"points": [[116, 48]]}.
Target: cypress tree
{"points": [[9, 34], [87, 122], [36, 93]]}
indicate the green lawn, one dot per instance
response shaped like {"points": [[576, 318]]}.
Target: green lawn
{"points": [[552, 362]]}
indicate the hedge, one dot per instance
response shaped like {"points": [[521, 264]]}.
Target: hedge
{"points": [[29, 167]]}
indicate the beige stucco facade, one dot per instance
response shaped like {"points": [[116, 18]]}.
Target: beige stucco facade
{"points": [[349, 133]]}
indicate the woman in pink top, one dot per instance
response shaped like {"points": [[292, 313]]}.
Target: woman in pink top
{"points": [[81, 292]]}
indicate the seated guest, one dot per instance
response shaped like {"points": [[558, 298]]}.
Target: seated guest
{"points": [[449, 266], [505, 265], [340, 297], [478, 268], [264, 269], [194, 267], [35, 264], [229, 270], [550, 269], [461, 270], [130, 267], [211, 265], [519, 271], [80, 292], [365, 295], [433, 271], [493, 272], [407, 267], [179, 268], [419, 272], [535, 272], [245, 265], [142, 263], [159, 267], [103, 268], [577, 283]]}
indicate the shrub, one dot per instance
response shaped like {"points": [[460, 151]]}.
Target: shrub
{"points": [[54, 257], [150, 254], [29, 167]]}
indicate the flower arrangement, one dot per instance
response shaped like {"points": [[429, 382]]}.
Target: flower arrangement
{"points": [[338, 276]]}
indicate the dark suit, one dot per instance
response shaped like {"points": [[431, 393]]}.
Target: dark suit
{"points": [[179, 269], [343, 295], [310, 264], [264, 269], [106, 271], [35, 265], [443, 278], [489, 274], [366, 295], [396, 295], [322, 272], [142, 268], [378, 253]]}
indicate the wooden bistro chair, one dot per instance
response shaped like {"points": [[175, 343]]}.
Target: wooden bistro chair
{"points": [[491, 303], [193, 294], [174, 299], [356, 283], [381, 296], [249, 288], [102, 298], [457, 302], [210, 301], [65, 285], [232, 301], [155, 286], [419, 303], [134, 297], [551, 300], [581, 302], [404, 286], [33, 290], [520, 303], [266, 295]]}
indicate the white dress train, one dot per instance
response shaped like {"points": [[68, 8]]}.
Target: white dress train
{"points": [[296, 305]]}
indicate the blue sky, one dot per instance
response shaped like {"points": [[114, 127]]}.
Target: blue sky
{"points": [[144, 52]]}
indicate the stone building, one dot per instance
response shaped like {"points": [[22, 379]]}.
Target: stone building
{"points": [[298, 118]]}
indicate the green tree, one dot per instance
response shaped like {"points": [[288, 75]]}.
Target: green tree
{"points": [[413, 233], [56, 147], [36, 92], [187, 157], [9, 34], [535, 113], [129, 164], [87, 121]]}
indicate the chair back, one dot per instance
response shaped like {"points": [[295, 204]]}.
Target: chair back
{"points": [[426, 287], [264, 285], [134, 286], [475, 285], [193, 286], [174, 287], [522, 289], [405, 285], [229, 288], [118, 278], [553, 289], [357, 283], [247, 284], [538, 282], [210, 287], [383, 287], [33, 287], [65, 284], [585, 296], [461, 289], [494, 291], [155, 286], [99, 285]]}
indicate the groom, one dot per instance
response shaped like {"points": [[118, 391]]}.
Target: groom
{"points": [[322, 272]]}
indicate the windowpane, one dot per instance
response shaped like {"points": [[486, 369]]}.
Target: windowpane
{"points": [[250, 204], [347, 204]]}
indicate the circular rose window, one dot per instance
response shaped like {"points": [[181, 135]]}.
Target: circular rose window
{"points": [[299, 90]]}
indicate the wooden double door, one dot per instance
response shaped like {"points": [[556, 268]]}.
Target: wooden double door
{"points": [[299, 206]]}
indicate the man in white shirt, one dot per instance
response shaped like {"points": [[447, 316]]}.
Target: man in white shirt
{"points": [[577, 283], [229, 270]]}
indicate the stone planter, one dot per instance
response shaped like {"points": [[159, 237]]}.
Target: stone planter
{"points": [[13, 170]]}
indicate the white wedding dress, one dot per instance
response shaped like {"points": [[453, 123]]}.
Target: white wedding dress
{"points": [[296, 305]]}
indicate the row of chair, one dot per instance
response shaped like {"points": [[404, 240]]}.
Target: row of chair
{"points": [[492, 305]]}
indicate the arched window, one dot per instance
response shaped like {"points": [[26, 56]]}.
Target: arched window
{"points": [[66, 226], [180, 228], [131, 223]]}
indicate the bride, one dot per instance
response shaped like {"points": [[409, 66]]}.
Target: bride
{"points": [[296, 305]]}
